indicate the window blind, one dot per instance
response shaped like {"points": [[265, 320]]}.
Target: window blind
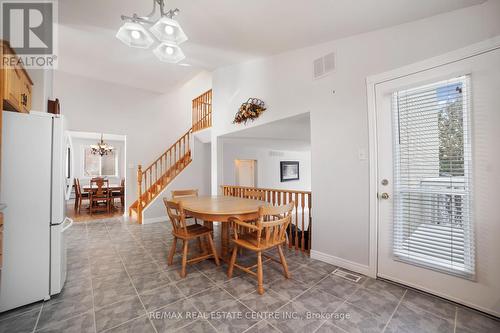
{"points": [[432, 177]]}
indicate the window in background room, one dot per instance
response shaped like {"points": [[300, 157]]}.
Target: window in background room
{"points": [[96, 165]]}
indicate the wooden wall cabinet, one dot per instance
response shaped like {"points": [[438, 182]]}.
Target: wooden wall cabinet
{"points": [[17, 86]]}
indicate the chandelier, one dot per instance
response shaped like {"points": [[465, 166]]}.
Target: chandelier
{"points": [[143, 31], [101, 148]]}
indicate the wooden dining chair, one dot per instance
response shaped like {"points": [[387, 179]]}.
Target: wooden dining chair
{"points": [[120, 194], [179, 194], [79, 195], [100, 193], [268, 232], [255, 194], [180, 230]]}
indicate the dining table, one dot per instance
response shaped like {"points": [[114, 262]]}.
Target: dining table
{"points": [[219, 208], [112, 187]]}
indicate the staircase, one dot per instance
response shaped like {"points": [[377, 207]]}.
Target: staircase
{"points": [[159, 174]]}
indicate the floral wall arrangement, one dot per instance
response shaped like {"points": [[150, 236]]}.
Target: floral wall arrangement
{"points": [[251, 109]]}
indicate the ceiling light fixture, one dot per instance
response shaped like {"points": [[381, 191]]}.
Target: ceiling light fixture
{"points": [[101, 148], [165, 29]]}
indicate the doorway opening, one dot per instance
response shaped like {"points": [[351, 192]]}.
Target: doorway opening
{"points": [[87, 165], [246, 173]]}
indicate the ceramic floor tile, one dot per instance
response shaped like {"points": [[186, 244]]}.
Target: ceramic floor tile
{"points": [[20, 310], [59, 311], [211, 299], [412, 319], [20, 323], [79, 324], [262, 327], [112, 294], [430, 303], [138, 325], [318, 301], [380, 304], [234, 317], [293, 318], [354, 319], [199, 326], [174, 316], [328, 327], [384, 287], [308, 276], [268, 302], [150, 281], [193, 285], [239, 287], [338, 286], [474, 321], [160, 297], [288, 288], [117, 313]]}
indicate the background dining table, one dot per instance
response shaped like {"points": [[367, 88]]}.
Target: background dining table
{"points": [[220, 209]]}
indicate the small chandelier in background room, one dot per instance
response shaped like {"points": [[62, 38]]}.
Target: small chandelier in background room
{"points": [[101, 148], [165, 30]]}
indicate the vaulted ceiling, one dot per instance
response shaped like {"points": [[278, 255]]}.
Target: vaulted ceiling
{"points": [[221, 32]]}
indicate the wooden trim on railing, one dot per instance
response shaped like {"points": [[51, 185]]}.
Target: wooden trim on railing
{"points": [[299, 233], [202, 111], [152, 180]]}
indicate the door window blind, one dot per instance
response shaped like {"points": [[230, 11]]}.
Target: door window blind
{"points": [[432, 187]]}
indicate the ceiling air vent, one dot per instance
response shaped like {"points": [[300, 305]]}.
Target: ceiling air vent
{"points": [[276, 153], [324, 65]]}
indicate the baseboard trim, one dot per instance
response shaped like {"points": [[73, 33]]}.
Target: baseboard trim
{"points": [[155, 220], [343, 263]]}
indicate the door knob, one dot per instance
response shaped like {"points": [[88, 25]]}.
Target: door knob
{"points": [[384, 196]]}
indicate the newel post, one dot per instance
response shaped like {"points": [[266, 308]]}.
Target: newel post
{"points": [[139, 194]]}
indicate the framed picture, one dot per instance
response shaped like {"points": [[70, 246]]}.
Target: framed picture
{"points": [[289, 170]]}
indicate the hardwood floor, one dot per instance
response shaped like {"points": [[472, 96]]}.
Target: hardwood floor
{"points": [[84, 215]]}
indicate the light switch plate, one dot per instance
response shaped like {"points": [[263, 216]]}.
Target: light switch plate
{"points": [[362, 154]]}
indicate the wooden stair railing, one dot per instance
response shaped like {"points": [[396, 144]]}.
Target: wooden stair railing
{"points": [[299, 231], [152, 180], [202, 111]]}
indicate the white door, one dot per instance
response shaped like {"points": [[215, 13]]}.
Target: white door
{"points": [[245, 173], [439, 180]]}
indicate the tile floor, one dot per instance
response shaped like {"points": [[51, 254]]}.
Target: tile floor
{"points": [[118, 281]]}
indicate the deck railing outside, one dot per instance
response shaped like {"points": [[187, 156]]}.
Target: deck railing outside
{"points": [[299, 232]]}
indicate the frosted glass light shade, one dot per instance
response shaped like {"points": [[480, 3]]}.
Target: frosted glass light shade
{"points": [[169, 52], [168, 31], [134, 34]]}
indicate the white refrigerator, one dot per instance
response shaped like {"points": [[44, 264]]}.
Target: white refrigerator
{"points": [[33, 189]]}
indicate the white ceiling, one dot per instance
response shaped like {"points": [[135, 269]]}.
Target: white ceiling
{"points": [[220, 32]]}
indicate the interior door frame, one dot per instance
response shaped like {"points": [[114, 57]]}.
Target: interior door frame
{"points": [[371, 85]]}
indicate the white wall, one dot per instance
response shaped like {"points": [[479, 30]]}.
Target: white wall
{"points": [[268, 162], [150, 121], [339, 127]]}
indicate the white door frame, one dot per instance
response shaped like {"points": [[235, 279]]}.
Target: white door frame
{"points": [[371, 83]]}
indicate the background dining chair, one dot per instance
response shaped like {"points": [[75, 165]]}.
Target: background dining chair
{"points": [[120, 193], [99, 193], [180, 230], [268, 232], [79, 195]]}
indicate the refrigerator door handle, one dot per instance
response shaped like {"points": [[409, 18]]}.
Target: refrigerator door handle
{"points": [[67, 226]]}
